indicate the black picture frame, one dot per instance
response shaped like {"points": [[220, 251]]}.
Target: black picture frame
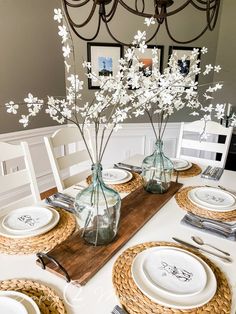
{"points": [[147, 56], [104, 59], [181, 50]]}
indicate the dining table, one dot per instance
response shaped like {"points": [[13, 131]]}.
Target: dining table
{"points": [[98, 295]]}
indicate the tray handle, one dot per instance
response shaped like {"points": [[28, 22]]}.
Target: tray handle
{"points": [[41, 257]]}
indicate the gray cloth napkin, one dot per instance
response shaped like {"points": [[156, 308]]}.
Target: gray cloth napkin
{"points": [[223, 230]]}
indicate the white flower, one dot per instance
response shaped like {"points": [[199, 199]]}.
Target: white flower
{"points": [[204, 50], [217, 68], [129, 54], [58, 15], [142, 47], [24, 120], [63, 33], [140, 36], [208, 69], [66, 51], [12, 107], [149, 21]]}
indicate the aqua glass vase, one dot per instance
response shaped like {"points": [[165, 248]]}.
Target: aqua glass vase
{"points": [[157, 170], [98, 210]]}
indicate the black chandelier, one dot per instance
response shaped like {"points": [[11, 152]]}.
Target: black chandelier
{"points": [[162, 10]]}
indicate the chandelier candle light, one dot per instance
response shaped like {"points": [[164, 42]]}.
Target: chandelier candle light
{"points": [[130, 93]]}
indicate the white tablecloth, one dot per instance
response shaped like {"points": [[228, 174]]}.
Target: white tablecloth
{"points": [[98, 295]]}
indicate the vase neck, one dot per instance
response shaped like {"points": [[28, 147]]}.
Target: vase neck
{"points": [[159, 146], [96, 172]]}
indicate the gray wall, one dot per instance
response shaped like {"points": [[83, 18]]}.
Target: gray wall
{"points": [[30, 57], [226, 53]]}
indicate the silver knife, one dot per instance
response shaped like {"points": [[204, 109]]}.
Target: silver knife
{"points": [[224, 259]]}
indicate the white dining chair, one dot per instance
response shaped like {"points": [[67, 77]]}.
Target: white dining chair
{"points": [[9, 181], [204, 151], [68, 157]]}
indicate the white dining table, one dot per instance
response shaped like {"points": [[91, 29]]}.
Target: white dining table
{"points": [[98, 295]]}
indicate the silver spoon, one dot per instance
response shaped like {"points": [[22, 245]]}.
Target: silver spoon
{"points": [[199, 241]]}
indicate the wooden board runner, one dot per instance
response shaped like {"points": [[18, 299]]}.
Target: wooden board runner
{"points": [[77, 257]]}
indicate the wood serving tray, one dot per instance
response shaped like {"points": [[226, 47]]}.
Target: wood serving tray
{"points": [[82, 261]]}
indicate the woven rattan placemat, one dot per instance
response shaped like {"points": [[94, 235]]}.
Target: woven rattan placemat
{"points": [[135, 302], [184, 202], [195, 170], [46, 299], [127, 187], [41, 243]]}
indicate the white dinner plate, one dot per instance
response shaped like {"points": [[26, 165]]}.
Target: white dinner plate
{"points": [[11, 306], [116, 176], [181, 164], [27, 302], [212, 199], [174, 272], [32, 233], [26, 219], [170, 300]]}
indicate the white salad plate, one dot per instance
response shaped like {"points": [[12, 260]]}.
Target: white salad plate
{"points": [[28, 304], [175, 297], [181, 164], [116, 176], [11, 306], [174, 272], [27, 219], [32, 233], [212, 199]]}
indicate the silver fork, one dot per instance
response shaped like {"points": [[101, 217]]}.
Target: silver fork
{"points": [[224, 189]]}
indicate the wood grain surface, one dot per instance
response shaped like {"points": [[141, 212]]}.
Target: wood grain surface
{"points": [[82, 261]]}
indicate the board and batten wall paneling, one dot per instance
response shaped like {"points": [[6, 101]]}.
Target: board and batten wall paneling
{"points": [[130, 140]]}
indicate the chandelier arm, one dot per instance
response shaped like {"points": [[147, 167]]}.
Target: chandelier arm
{"points": [[202, 8], [136, 6], [76, 5], [128, 8], [183, 42], [213, 17], [112, 12], [71, 22], [82, 37], [205, 1]]}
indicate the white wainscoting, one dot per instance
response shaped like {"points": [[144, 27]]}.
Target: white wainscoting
{"points": [[133, 138]]}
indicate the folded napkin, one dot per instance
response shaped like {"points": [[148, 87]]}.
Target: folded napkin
{"points": [[62, 201], [212, 173], [121, 165], [221, 229]]}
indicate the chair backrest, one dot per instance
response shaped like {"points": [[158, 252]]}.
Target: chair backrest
{"points": [[62, 161], [17, 179], [204, 151]]}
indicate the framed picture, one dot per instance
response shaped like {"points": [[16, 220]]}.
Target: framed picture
{"points": [[104, 60], [146, 58], [186, 64]]}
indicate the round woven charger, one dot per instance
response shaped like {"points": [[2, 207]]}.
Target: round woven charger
{"points": [[185, 203], [46, 299], [195, 170], [127, 187], [41, 243], [135, 302]]}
